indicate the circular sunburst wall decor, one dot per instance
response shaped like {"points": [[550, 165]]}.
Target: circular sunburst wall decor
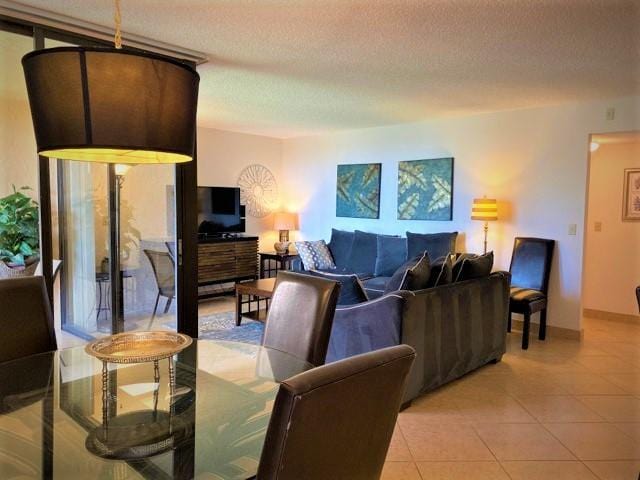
{"points": [[258, 190]]}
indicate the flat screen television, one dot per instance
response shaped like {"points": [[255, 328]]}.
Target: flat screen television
{"points": [[219, 211]]}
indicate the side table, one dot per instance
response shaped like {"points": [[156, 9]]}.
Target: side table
{"points": [[272, 262], [254, 291]]}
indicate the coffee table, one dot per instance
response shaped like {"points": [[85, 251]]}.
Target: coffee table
{"points": [[255, 291]]}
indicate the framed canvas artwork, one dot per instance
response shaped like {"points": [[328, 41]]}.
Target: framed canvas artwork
{"points": [[425, 189], [631, 198], [358, 190]]}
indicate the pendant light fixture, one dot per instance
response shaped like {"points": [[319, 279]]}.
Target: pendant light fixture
{"points": [[111, 105]]}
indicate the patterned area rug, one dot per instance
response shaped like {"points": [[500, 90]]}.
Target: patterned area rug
{"points": [[222, 326]]}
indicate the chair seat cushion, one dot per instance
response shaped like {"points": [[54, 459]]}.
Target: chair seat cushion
{"points": [[527, 299]]}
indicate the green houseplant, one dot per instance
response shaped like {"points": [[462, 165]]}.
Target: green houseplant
{"points": [[19, 234]]}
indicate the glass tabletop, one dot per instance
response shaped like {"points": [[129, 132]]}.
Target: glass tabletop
{"points": [[59, 417]]}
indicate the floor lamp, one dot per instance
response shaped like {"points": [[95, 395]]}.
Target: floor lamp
{"points": [[486, 210]]}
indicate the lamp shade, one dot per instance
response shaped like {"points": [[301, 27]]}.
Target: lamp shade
{"points": [[285, 221], [485, 209], [111, 105]]}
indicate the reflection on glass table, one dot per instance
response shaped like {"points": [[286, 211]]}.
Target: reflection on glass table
{"points": [[52, 414]]}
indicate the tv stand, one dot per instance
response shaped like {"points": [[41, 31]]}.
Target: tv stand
{"points": [[227, 259]]}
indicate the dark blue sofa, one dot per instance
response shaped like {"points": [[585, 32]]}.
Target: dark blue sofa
{"points": [[374, 257], [454, 328]]}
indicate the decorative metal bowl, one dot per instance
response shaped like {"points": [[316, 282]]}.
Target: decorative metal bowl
{"points": [[138, 347]]}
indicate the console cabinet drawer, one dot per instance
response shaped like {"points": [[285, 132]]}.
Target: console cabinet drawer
{"points": [[227, 261]]}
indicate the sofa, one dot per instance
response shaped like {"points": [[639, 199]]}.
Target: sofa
{"points": [[374, 257], [454, 328]]}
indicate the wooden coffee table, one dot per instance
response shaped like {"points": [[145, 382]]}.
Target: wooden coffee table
{"points": [[255, 291]]}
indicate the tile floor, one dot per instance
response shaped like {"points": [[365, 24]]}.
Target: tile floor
{"points": [[561, 410]]}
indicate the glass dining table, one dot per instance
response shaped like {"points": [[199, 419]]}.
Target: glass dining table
{"points": [[56, 421]]}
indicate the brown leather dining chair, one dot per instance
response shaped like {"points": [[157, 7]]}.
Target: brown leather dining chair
{"points": [[26, 320], [301, 316], [336, 421]]}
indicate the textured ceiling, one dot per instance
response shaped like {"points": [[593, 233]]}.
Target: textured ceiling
{"points": [[293, 67]]}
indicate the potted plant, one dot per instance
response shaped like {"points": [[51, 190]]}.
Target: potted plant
{"points": [[19, 234]]}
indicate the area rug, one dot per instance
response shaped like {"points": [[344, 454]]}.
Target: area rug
{"points": [[222, 326]]}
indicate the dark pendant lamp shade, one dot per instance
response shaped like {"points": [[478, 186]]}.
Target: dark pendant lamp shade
{"points": [[112, 106]]}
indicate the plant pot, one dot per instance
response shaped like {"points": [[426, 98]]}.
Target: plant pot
{"points": [[12, 272]]}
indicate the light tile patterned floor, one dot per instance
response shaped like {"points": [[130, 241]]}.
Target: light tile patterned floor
{"points": [[562, 410]]}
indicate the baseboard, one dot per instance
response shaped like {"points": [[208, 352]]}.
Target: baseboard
{"points": [[611, 316], [552, 331]]}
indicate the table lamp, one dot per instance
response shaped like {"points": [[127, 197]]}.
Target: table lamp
{"points": [[284, 221], [486, 210]]}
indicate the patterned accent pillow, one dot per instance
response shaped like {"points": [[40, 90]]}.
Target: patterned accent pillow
{"points": [[315, 255]]}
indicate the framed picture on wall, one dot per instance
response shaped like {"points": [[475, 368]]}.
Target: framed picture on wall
{"points": [[425, 189], [631, 199], [358, 190]]}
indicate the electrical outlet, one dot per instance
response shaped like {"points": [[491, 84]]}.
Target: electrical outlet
{"points": [[611, 113], [573, 229], [597, 226]]}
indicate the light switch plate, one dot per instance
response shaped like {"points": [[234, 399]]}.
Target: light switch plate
{"points": [[611, 113], [573, 229]]}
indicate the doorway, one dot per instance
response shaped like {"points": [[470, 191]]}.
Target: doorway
{"points": [[612, 232]]}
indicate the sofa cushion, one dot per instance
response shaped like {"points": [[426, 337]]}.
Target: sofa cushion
{"points": [[375, 286], [391, 253], [363, 253], [441, 272], [340, 247], [412, 275], [315, 254], [475, 267], [435, 244], [351, 289], [457, 264]]}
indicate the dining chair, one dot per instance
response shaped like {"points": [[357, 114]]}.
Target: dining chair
{"points": [[26, 320], [530, 269], [301, 315], [164, 269], [638, 296], [336, 421]]}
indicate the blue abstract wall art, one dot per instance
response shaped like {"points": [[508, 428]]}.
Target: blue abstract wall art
{"points": [[358, 190], [425, 189]]}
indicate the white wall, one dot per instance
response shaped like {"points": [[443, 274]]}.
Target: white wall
{"points": [[612, 255], [534, 161], [18, 157], [221, 158]]}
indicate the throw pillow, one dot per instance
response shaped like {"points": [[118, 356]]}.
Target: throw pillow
{"points": [[475, 267], [363, 253], [315, 254], [436, 244], [441, 272], [340, 247], [391, 254], [351, 289], [412, 275], [457, 265]]}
